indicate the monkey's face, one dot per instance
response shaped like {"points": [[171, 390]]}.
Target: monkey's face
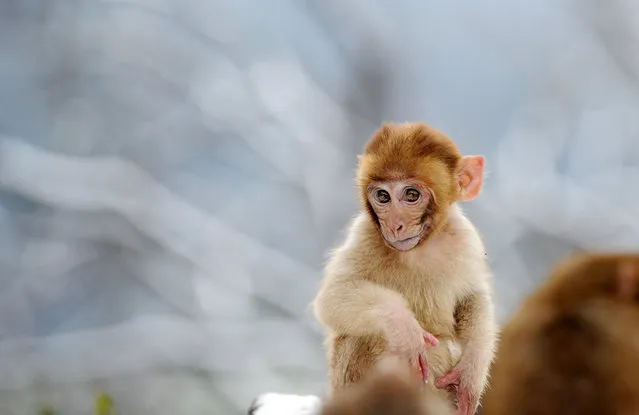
{"points": [[408, 176], [401, 208]]}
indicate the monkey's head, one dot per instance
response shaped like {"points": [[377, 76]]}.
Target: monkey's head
{"points": [[409, 175], [390, 389], [582, 278]]}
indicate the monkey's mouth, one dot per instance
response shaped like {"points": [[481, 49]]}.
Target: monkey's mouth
{"points": [[409, 243], [405, 244]]}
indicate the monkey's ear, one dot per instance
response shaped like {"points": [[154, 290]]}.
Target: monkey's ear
{"points": [[627, 280], [470, 177]]}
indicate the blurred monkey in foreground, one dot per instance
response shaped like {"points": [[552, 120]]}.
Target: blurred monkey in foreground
{"points": [[390, 389], [411, 279], [572, 347]]}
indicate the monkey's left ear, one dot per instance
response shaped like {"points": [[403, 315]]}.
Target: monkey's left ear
{"points": [[470, 177]]}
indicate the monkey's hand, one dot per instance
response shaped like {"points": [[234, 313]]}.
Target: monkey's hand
{"points": [[408, 340], [467, 393]]}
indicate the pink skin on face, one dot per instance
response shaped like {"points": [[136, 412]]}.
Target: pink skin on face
{"points": [[399, 206]]}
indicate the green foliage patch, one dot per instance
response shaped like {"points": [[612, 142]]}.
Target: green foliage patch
{"points": [[103, 405]]}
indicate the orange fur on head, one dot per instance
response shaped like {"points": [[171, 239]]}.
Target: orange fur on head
{"points": [[412, 151]]}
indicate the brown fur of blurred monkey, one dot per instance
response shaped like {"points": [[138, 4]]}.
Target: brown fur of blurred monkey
{"points": [[390, 389], [573, 345]]}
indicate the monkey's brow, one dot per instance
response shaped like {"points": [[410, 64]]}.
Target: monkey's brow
{"points": [[392, 176], [379, 178]]}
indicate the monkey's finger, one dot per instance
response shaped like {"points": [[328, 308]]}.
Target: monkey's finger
{"points": [[423, 364], [415, 365], [430, 339], [451, 378]]}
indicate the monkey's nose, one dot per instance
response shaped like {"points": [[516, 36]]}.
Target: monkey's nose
{"points": [[399, 227]]}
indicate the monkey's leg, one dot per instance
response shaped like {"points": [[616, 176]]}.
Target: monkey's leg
{"points": [[351, 358]]}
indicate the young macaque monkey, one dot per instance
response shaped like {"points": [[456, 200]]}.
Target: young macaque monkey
{"points": [[411, 279], [389, 390], [572, 347]]}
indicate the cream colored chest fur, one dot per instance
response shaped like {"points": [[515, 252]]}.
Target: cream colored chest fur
{"points": [[432, 278]]}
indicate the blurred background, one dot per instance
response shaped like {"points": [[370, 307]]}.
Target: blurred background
{"points": [[172, 174]]}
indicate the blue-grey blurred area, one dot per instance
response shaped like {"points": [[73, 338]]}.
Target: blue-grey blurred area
{"points": [[173, 172]]}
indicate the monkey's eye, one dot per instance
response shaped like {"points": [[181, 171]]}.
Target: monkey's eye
{"points": [[411, 195], [382, 196]]}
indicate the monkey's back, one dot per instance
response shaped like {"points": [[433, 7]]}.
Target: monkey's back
{"points": [[577, 361], [389, 389]]}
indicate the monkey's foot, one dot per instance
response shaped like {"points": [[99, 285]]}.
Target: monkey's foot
{"points": [[465, 406], [463, 402], [283, 404]]}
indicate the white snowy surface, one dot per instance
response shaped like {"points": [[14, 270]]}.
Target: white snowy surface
{"points": [[285, 404], [173, 172]]}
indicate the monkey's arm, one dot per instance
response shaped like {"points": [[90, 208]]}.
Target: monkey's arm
{"points": [[477, 332], [358, 308]]}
